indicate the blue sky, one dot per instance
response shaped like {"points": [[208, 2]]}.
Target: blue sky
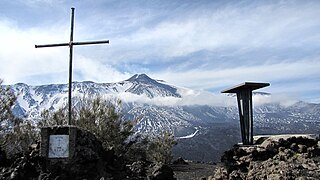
{"points": [[200, 44]]}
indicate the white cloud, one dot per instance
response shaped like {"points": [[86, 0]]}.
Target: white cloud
{"points": [[39, 3], [20, 59], [196, 98], [281, 99], [143, 36], [206, 79], [188, 98], [191, 98], [242, 28], [94, 70]]}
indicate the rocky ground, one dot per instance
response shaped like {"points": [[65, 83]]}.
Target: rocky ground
{"points": [[90, 161], [271, 158], [33, 167], [275, 158]]}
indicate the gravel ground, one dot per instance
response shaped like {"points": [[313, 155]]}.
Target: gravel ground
{"points": [[193, 170]]}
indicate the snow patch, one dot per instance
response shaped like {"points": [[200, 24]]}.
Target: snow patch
{"points": [[189, 136]]}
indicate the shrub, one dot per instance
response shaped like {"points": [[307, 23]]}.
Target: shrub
{"points": [[53, 118], [19, 139], [160, 148], [15, 135], [103, 118], [99, 116], [7, 101]]}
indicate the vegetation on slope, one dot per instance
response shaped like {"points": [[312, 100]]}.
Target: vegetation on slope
{"points": [[99, 116]]}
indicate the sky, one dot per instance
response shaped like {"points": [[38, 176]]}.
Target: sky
{"points": [[207, 45]]}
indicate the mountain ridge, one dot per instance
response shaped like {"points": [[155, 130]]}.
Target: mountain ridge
{"points": [[216, 125]]}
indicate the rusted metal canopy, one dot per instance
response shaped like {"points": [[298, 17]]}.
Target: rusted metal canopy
{"points": [[246, 85], [244, 98]]}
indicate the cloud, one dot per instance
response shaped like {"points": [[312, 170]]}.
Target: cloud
{"points": [[20, 59], [198, 44], [220, 78], [202, 98], [22, 62], [93, 70], [38, 3], [233, 26], [192, 98], [281, 99]]}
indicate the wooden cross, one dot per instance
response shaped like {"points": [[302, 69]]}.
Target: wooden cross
{"points": [[71, 44]]}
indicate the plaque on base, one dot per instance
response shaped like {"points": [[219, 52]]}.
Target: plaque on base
{"points": [[58, 146]]}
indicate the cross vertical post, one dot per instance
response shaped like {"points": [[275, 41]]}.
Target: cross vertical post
{"points": [[70, 69], [71, 44]]}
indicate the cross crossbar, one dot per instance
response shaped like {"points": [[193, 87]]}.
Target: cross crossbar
{"points": [[71, 44]]}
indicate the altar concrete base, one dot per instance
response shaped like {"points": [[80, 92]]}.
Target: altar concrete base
{"points": [[46, 132], [85, 155]]}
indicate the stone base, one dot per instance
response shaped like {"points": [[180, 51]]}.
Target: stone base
{"points": [[87, 157]]}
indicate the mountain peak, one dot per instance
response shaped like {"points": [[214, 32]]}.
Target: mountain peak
{"points": [[140, 78], [143, 84]]}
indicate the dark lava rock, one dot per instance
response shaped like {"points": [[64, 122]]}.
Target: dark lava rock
{"points": [[180, 160], [3, 157], [162, 172], [138, 169], [290, 158], [29, 166], [90, 161]]}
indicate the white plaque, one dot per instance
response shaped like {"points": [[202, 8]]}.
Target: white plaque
{"points": [[58, 146]]}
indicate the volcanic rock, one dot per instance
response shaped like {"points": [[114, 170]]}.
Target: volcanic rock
{"points": [[162, 172], [276, 158], [180, 160]]}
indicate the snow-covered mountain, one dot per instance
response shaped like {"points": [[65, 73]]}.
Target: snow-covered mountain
{"points": [[162, 106], [33, 99]]}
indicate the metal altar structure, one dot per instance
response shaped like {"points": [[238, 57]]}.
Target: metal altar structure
{"points": [[244, 98]]}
